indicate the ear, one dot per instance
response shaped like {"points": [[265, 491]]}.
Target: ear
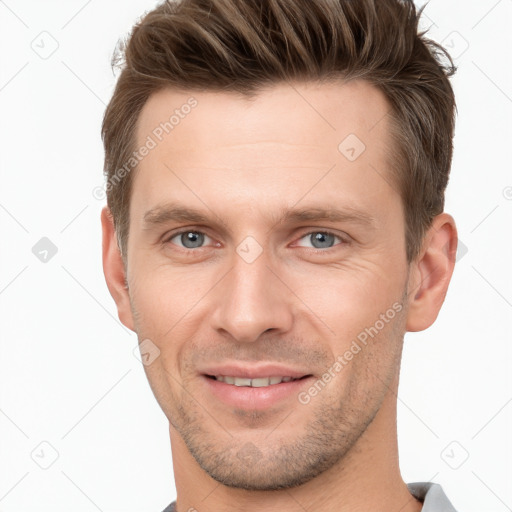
{"points": [[431, 272], [113, 268]]}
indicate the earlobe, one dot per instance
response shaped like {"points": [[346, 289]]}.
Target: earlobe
{"points": [[431, 273], [113, 268]]}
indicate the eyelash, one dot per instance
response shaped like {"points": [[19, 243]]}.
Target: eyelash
{"points": [[343, 240]]}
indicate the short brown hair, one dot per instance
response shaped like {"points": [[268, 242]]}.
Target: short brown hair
{"points": [[244, 45]]}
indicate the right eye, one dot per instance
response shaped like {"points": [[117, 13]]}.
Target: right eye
{"points": [[189, 239]]}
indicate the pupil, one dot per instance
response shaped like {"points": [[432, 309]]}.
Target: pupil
{"points": [[192, 239], [322, 240]]}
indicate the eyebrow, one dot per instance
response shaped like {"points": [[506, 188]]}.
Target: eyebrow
{"points": [[328, 214], [173, 213], [167, 213]]}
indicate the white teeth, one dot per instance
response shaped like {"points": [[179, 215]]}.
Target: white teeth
{"points": [[259, 382], [242, 382]]}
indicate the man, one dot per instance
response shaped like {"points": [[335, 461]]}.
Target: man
{"points": [[275, 177]]}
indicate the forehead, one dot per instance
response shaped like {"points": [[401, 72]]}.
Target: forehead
{"points": [[292, 113], [269, 147]]}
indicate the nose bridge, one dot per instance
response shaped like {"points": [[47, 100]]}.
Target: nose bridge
{"points": [[251, 299]]}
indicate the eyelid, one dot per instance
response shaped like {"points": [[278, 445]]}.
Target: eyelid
{"points": [[173, 234], [343, 238]]}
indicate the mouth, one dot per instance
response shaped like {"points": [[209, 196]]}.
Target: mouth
{"points": [[255, 388], [257, 382]]}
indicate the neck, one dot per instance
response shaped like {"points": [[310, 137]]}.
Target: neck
{"points": [[366, 479]]}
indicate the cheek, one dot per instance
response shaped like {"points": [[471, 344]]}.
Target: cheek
{"points": [[170, 306], [163, 297], [348, 300], [369, 359]]}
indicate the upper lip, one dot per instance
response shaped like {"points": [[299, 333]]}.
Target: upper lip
{"points": [[254, 371]]}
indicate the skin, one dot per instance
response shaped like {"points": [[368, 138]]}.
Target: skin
{"points": [[242, 164]]}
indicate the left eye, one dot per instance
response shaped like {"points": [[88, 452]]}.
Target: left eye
{"points": [[319, 240], [190, 239]]}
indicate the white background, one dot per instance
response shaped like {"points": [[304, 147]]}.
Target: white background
{"points": [[68, 375]]}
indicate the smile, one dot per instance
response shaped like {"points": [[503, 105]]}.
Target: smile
{"points": [[259, 382]]}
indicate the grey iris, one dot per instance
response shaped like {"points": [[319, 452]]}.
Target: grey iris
{"points": [[192, 239], [322, 240]]}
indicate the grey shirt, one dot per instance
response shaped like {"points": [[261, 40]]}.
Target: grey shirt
{"points": [[432, 495]]}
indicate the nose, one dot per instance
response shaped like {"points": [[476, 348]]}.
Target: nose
{"points": [[252, 300]]}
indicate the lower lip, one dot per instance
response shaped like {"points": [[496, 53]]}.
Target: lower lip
{"points": [[249, 398]]}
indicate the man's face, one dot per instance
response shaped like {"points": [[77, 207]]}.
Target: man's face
{"points": [[280, 252]]}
